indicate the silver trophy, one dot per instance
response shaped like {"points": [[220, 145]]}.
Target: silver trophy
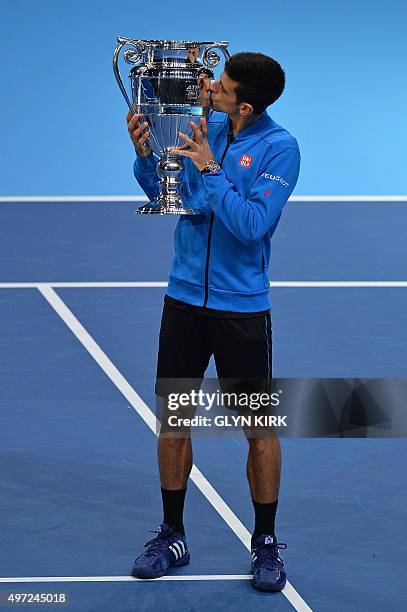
{"points": [[166, 89]]}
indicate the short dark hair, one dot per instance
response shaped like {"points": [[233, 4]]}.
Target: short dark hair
{"points": [[261, 79]]}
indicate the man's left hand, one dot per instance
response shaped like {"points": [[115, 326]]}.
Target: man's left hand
{"points": [[200, 151]]}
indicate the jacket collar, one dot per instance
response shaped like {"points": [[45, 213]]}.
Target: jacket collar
{"points": [[258, 126]]}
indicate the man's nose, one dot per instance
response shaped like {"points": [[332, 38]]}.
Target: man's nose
{"points": [[213, 86]]}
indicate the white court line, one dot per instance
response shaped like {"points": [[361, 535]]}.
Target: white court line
{"points": [[349, 284], [141, 198], [35, 285], [73, 199], [149, 418], [159, 284], [123, 578]]}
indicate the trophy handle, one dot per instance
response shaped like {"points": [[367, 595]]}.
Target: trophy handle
{"points": [[211, 58], [131, 56]]}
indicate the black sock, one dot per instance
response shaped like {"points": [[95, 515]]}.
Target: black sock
{"points": [[173, 507], [265, 517]]}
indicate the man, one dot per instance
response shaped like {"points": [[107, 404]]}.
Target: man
{"points": [[240, 169]]}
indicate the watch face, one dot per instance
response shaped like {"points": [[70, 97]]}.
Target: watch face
{"points": [[213, 166]]}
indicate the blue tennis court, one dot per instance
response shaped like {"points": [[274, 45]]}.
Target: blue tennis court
{"points": [[81, 291]]}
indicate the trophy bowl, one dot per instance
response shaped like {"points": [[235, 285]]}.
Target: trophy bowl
{"points": [[165, 89]]}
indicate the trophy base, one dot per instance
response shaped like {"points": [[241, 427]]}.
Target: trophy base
{"points": [[160, 207]]}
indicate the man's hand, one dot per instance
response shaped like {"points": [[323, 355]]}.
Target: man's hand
{"points": [[200, 151], [137, 134], [204, 85]]}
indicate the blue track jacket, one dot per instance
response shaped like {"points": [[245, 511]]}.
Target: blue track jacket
{"points": [[222, 254]]}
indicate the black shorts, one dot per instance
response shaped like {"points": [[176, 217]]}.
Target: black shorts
{"points": [[241, 346]]}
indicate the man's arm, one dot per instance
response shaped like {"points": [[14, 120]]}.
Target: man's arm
{"points": [[250, 218], [144, 170], [144, 167]]}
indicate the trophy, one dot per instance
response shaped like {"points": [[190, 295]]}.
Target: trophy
{"points": [[165, 88]]}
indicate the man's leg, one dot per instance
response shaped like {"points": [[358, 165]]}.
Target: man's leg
{"points": [[175, 463], [243, 361], [183, 356], [263, 473]]}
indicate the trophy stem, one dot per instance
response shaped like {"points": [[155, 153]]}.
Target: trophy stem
{"points": [[169, 202]]}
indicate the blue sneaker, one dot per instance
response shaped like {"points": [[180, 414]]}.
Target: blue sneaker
{"points": [[167, 549], [267, 566]]}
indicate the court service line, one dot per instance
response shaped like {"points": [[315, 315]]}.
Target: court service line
{"points": [[124, 578], [149, 418], [141, 198], [162, 284]]}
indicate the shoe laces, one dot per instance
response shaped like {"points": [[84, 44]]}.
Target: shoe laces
{"points": [[157, 543], [269, 553]]}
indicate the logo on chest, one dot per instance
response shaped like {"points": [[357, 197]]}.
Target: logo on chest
{"points": [[246, 160]]}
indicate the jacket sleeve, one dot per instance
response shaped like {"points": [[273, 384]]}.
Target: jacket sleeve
{"points": [[249, 219], [145, 173], [192, 188]]}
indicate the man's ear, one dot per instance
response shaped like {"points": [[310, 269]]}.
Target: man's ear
{"points": [[246, 109]]}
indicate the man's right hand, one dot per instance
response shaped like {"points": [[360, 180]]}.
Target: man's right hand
{"points": [[138, 135]]}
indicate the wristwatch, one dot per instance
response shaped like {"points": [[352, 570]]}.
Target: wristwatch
{"points": [[212, 167]]}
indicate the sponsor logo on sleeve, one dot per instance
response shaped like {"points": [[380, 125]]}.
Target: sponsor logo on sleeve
{"points": [[246, 161], [273, 177]]}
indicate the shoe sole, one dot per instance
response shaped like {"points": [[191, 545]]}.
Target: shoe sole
{"points": [[144, 573], [269, 589]]}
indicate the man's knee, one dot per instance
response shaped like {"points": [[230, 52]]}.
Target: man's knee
{"points": [[167, 431], [260, 438]]}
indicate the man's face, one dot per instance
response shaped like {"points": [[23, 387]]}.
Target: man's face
{"points": [[223, 95]]}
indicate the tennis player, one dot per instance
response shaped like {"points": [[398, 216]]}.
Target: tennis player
{"points": [[240, 169]]}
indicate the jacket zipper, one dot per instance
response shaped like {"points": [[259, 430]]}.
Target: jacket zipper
{"points": [[208, 250]]}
